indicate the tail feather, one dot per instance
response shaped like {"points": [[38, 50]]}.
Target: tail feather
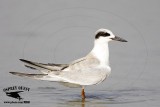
{"points": [[35, 76], [30, 67], [45, 77]]}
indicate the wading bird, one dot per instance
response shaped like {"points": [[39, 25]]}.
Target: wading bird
{"points": [[89, 70]]}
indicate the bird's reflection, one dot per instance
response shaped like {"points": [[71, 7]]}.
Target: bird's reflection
{"points": [[83, 103], [78, 102]]}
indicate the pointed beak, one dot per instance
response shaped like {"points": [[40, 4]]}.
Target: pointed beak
{"points": [[116, 38]]}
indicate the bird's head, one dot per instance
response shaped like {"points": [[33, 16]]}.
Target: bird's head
{"points": [[105, 35]]}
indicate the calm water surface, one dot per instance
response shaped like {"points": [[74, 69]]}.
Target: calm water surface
{"points": [[59, 32]]}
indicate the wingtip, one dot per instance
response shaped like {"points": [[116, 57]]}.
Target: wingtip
{"points": [[21, 59], [12, 72]]}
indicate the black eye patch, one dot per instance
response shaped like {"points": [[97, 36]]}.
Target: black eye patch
{"points": [[103, 34]]}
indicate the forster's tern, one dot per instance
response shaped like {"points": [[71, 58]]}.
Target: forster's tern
{"points": [[89, 70]]}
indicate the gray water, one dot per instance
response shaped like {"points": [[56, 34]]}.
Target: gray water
{"points": [[62, 31]]}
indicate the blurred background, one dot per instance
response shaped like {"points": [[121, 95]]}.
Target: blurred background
{"points": [[60, 31]]}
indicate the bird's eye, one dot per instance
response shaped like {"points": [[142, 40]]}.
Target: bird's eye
{"points": [[107, 34]]}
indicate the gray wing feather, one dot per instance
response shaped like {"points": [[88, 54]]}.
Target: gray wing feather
{"points": [[87, 62]]}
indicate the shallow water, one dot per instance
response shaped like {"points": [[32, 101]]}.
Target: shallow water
{"points": [[100, 98], [51, 96], [43, 96]]}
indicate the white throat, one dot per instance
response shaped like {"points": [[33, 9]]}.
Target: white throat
{"points": [[101, 51]]}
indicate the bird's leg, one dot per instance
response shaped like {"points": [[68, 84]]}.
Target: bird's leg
{"points": [[83, 93]]}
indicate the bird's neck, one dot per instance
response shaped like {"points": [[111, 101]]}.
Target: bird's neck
{"points": [[101, 51]]}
